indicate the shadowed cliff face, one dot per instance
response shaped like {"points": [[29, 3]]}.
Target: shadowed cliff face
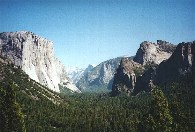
{"points": [[179, 64], [125, 78], [35, 55]]}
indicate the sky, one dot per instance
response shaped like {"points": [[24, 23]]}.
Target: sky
{"points": [[91, 31]]}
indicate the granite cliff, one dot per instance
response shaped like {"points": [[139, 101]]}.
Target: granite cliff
{"points": [[140, 71], [35, 55], [125, 76], [154, 52], [181, 63]]}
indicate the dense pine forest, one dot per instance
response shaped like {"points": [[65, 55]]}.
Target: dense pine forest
{"points": [[28, 106]]}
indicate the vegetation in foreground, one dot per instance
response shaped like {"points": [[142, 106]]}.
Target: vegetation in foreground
{"points": [[172, 111]]}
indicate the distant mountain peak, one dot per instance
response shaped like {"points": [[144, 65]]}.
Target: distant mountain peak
{"points": [[75, 73]]}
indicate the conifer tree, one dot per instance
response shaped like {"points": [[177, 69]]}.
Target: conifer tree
{"points": [[158, 118], [11, 117]]}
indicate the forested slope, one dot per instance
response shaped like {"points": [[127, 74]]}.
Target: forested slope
{"points": [[45, 110]]}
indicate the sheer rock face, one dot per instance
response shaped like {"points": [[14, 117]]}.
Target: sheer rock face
{"points": [[125, 79], [178, 65], [145, 82], [35, 55], [153, 53], [180, 61], [148, 53]]}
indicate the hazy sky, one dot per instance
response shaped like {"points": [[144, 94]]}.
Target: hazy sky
{"points": [[91, 31]]}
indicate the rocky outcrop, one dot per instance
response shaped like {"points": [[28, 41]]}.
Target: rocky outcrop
{"points": [[100, 76], [125, 78], [177, 66], [154, 53], [145, 81], [35, 55]]}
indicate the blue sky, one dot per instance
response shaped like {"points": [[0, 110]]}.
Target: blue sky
{"points": [[91, 31]]}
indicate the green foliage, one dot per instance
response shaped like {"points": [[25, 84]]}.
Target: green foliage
{"points": [[180, 113], [65, 90], [150, 65], [86, 112], [158, 118], [45, 110], [96, 89], [181, 97], [138, 71], [11, 117]]}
